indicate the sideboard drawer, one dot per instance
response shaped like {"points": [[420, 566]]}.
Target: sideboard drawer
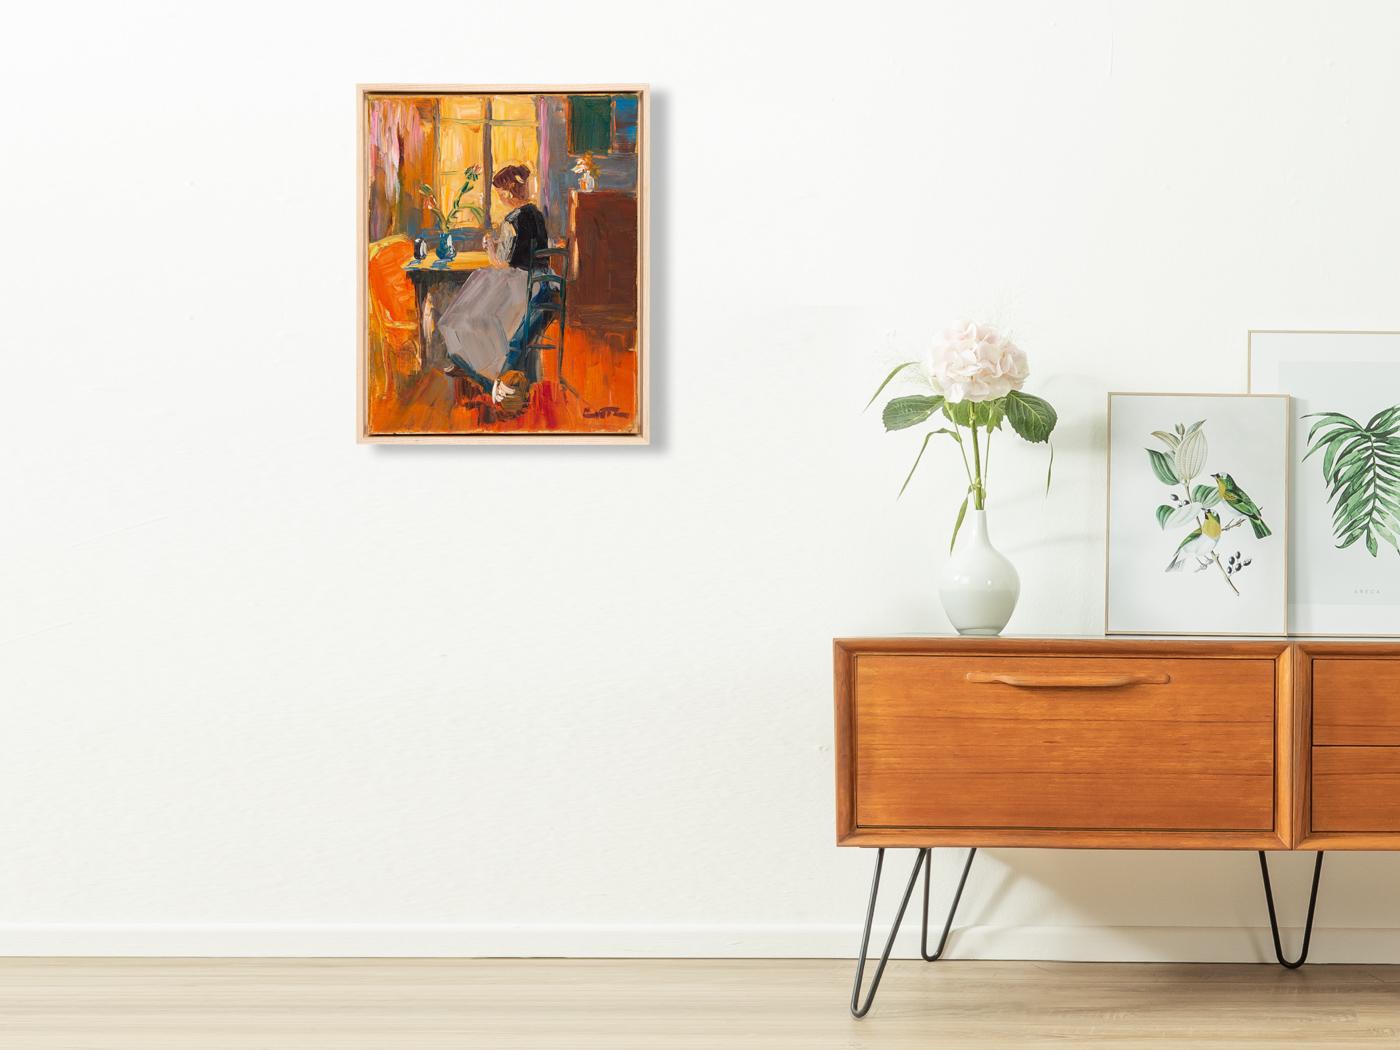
{"points": [[1063, 742], [1356, 701], [1355, 789]]}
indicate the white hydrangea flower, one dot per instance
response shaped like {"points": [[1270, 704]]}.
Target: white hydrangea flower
{"points": [[975, 362]]}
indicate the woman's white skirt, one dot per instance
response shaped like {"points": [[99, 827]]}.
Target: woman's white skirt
{"points": [[477, 326]]}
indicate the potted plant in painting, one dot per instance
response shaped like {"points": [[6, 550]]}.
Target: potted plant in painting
{"points": [[587, 171], [972, 381], [446, 250]]}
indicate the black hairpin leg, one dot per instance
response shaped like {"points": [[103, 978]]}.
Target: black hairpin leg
{"points": [[858, 1009], [923, 942], [922, 861], [1273, 916]]}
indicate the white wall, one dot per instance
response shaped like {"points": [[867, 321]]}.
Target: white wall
{"points": [[268, 690]]}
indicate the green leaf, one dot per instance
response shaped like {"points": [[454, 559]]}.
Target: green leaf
{"points": [[1325, 419], [1384, 420], [1349, 469], [1190, 455], [1347, 446], [1163, 513], [990, 413], [1206, 495], [888, 378], [1360, 466], [1030, 416], [1181, 514], [904, 412], [1321, 444], [942, 430], [1050, 466], [910, 477], [962, 513], [1170, 440], [1163, 467], [1329, 443], [962, 413]]}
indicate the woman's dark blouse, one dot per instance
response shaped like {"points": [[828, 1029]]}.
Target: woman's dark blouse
{"points": [[530, 236]]}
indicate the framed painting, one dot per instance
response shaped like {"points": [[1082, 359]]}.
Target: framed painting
{"points": [[1197, 514], [1345, 463], [503, 263]]}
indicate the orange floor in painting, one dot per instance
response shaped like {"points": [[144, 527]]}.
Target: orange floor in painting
{"points": [[407, 400]]}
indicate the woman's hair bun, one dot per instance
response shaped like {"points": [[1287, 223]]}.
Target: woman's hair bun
{"points": [[512, 178]]}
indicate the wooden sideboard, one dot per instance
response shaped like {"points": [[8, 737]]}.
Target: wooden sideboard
{"points": [[603, 232], [1260, 744]]}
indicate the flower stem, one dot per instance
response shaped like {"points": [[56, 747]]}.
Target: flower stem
{"points": [[967, 468], [979, 495]]}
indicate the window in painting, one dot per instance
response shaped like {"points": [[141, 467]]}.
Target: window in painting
{"points": [[515, 139], [590, 124], [624, 124], [602, 124], [491, 132]]}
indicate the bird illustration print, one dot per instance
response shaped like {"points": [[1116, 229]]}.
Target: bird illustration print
{"points": [[1197, 507], [1199, 544], [1238, 500]]}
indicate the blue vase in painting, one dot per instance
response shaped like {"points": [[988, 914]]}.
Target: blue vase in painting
{"points": [[446, 250]]}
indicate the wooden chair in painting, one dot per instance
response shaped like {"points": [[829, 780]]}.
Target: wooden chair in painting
{"points": [[546, 302], [392, 307]]}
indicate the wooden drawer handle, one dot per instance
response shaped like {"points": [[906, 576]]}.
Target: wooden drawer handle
{"points": [[1067, 681]]}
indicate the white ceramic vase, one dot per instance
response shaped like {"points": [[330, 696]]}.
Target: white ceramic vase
{"points": [[978, 585]]}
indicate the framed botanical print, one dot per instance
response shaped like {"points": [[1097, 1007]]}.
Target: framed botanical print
{"points": [[1345, 466], [1197, 514], [503, 263]]}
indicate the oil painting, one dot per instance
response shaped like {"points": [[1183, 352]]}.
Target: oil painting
{"points": [[1197, 514], [503, 250]]}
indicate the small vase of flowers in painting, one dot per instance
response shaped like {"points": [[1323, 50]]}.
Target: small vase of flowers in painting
{"points": [[971, 390], [587, 171], [446, 250]]}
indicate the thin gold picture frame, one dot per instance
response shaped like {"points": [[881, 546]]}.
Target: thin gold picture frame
{"points": [[641, 435], [1108, 512]]}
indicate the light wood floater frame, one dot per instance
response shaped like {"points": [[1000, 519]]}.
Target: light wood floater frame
{"points": [[1114, 743]]}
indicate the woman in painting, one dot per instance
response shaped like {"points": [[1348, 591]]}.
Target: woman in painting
{"points": [[480, 325]]}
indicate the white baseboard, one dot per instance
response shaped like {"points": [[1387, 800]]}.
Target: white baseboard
{"points": [[1069, 943]]}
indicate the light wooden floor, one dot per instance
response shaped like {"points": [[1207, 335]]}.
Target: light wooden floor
{"points": [[282, 1004]]}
